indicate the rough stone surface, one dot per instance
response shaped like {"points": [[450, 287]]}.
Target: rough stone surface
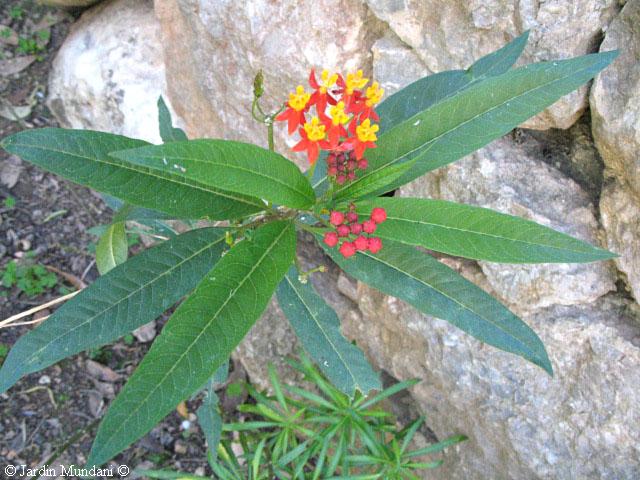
{"points": [[582, 423], [396, 65], [620, 212], [615, 99], [222, 45], [456, 36], [509, 177], [109, 73]]}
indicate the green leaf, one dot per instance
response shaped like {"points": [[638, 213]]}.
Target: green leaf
{"points": [[127, 297], [82, 156], [210, 421], [373, 183], [474, 116], [433, 288], [112, 248], [167, 131], [475, 232], [318, 328], [199, 337], [432, 89], [233, 166]]}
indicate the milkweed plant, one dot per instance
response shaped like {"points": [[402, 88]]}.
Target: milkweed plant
{"points": [[359, 147]]}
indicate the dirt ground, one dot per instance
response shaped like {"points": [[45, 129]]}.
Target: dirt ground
{"points": [[44, 220]]}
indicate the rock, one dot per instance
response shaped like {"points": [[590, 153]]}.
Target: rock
{"points": [[615, 99], [509, 177], [101, 372], [213, 50], [10, 171], [581, 423], [620, 213], [395, 65], [146, 332], [11, 66], [456, 36], [109, 72], [44, 380]]}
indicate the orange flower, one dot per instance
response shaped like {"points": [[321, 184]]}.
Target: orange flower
{"points": [[322, 94], [299, 103], [364, 107], [334, 124], [364, 136], [313, 138]]}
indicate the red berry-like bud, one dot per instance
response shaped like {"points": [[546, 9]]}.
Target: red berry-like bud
{"points": [[363, 164], [369, 226], [332, 160], [347, 249], [340, 179], [332, 171], [378, 215], [331, 239], [351, 165], [361, 243], [343, 230], [375, 244], [356, 228], [352, 217], [336, 218], [351, 175], [341, 167]]}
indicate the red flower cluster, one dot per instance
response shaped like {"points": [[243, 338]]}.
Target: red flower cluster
{"points": [[342, 124], [346, 226]]}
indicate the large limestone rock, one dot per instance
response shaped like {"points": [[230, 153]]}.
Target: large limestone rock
{"points": [[620, 212], [458, 34], [615, 99], [582, 423], [615, 110], [220, 46], [109, 72], [509, 176]]}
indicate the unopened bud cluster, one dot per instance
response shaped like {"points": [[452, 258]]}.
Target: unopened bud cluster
{"points": [[353, 235], [343, 166]]}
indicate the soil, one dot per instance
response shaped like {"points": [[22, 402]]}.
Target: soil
{"points": [[45, 221]]}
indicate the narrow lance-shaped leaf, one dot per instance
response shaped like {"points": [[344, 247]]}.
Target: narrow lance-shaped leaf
{"points": [[318, 328], [199, 337], [112, 248], [432, 89], [233, 166], [82, 156], [374, 183], [168, 132], [473, 117], [475, 232], [208, 415], [127, 297], [435, 289]]}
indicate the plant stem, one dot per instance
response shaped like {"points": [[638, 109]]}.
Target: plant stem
{"points": [[270, 134]]}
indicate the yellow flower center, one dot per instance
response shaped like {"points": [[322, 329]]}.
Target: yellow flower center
{"points": [[355, 80], [298, 100], [315, 130], [367, 132], [374, 94], [327, 80], [337, 114]]}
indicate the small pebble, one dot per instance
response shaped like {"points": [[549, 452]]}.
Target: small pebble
{"points": [[44, 380]]}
